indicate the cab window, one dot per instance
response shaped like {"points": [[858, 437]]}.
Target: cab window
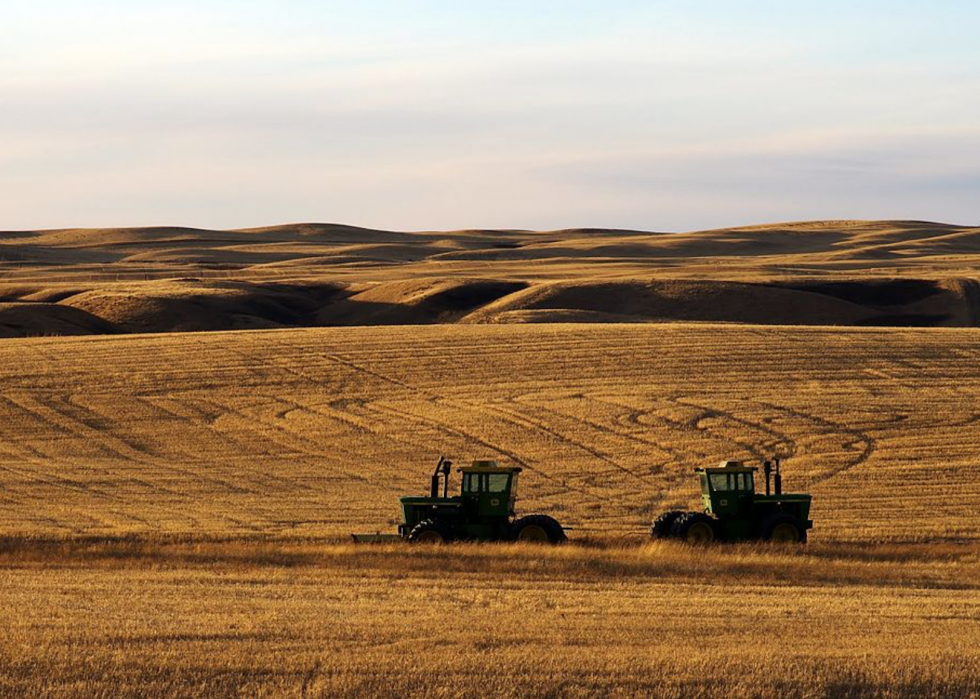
{"points": [[745, 482], [471, 483], [719, 482], [498, 482]]}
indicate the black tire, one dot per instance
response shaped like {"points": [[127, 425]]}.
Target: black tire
{"points": [[695, 528], [783, 528], [538, 529], [662, 524], [431, 531]]}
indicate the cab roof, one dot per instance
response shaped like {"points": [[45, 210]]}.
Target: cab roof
{"points": [[484, 466], [728, 467]]}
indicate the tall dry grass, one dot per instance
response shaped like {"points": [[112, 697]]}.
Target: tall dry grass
{"points": [[213, 617]]}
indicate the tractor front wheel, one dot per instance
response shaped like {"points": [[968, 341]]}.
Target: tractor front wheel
{"points": [[431, 531], [695, 528], [783, 529], [540, 529]]}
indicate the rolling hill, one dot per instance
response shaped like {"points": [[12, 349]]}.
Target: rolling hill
{"points": [[897, 274]]}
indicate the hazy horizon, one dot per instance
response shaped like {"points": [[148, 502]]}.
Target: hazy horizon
{"points": [[435, 115]]}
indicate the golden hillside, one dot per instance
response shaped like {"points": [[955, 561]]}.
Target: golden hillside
{"points": [[855, 273]]}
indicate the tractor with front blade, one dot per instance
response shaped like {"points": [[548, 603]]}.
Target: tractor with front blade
{"points": [[483, 511], [733, 511]]}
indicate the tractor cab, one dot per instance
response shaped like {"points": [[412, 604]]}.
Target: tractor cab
{"points": [[489, 490], [728, 488]]}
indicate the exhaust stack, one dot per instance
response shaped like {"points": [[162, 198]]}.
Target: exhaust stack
{"points": [[443, 468], [778, 480]]}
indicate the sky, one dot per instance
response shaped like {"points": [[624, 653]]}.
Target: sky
{"points": [[543, 114]]}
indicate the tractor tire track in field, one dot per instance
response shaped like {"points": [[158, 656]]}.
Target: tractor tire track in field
{"points": [[457, 432], [56, 482], [183, 411], [468, 437], [254, 361], [632, 416], [86, 427], [777, 438], [246, 446], [61, 421], [277, 431], [672, 478], [336, 358], [517, 416], [254, 364], [510, 417], [680, 478], [91, 420], [37, 457], [860, 439]]}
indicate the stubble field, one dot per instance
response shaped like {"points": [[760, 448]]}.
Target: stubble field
{"points": [[174, 506]]}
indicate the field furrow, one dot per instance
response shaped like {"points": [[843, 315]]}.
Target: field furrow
{"points": [[318, 431]]}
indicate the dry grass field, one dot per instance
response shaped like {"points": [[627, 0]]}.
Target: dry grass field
{"points": [[289, 619], [315, 432], [173, 505]]}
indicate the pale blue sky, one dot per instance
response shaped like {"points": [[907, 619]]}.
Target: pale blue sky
{"points": [[414, 114]]}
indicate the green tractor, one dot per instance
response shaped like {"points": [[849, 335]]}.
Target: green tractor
{"points": [[733, 511], [483, 511]]}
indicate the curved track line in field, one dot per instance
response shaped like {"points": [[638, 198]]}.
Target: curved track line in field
{"points": [[776, 437], [247, 448], [336, 358], [693, 426], [315, 452], [860, 438], [43, 460], [61, 421], [466, 436], [252, 361], [297, 443], [440, 427], [630, 415], [198, 417], [70, 401], [338, 409], [530, 399], [519, 417], [314, 381], [39, 459], [131, 452]]}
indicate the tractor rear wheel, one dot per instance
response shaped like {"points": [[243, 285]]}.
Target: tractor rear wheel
{"points": [[431, 531], [782, 528], [538, 529], [662, 524], [695, 528]]}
